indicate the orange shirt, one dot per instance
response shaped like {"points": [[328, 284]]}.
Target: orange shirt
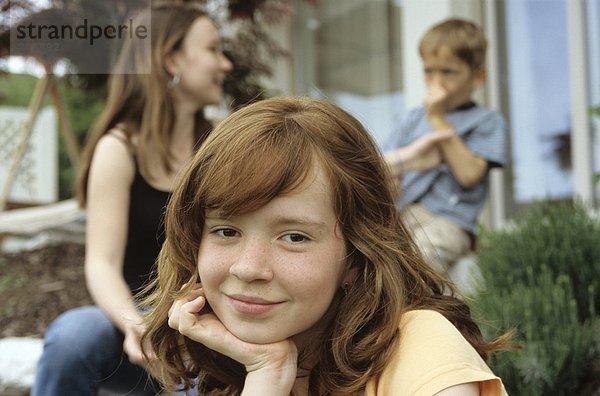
{"points": [[432, 355]]}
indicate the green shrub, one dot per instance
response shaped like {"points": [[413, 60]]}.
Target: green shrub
{"points": [[560, 237], [542, 278], [557, 347]]}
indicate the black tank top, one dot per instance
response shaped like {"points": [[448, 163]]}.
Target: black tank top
{"points": [[145, 233]]}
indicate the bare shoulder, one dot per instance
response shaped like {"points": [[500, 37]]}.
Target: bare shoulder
{"points": [[113, 158], [116, 145], [118, 134]]}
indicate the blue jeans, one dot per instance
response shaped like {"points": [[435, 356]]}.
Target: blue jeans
{"points": [[83, 351]]}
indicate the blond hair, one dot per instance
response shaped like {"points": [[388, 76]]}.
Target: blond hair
{"points": [[256, 154], [463, 38]]}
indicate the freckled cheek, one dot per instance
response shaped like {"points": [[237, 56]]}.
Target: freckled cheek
{"points": [[212, 268], [212, 272], [314, 276]]}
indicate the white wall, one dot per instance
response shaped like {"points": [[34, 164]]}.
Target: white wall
{"points": [[37, 176]]}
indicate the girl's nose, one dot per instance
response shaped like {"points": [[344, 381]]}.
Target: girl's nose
{"points": [[226, 63], [253, 262]]}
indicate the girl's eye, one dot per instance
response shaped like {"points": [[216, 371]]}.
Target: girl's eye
{"points": [[225, 232], [216, 49], [296, 238]]}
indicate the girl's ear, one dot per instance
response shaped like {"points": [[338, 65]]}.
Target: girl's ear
{"points": [[350, 277], [171, 63]]}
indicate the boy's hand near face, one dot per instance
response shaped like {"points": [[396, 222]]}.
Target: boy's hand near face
{"points": [[271, 368], [436, 101], [466, 167], [437, 104]]}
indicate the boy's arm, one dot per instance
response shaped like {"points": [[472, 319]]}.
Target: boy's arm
{"points": [[422, 154], [467, 167]]}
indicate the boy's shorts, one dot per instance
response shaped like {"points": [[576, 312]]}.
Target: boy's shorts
{"points": [[441, 242]]}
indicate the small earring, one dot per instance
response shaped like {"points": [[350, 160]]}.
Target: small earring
{"points": [[346, 287], [175, 80]]}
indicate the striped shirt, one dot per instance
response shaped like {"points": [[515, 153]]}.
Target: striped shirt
{"points": [[484, 132]]}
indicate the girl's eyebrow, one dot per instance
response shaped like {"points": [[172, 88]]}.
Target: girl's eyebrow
{"points": [[306, 221], [299, 220], [215, 217]]}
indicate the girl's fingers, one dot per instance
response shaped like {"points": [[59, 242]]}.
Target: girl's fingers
{"points": [[194, 306], [208, 330], [174, 314], [183, 311], [188, 313], [176, 306]]}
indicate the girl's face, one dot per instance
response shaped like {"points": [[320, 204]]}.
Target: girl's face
{"points": [[201, 64], [272, 274]]}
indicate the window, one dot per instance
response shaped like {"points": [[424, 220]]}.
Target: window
{"points": [[348, 51]]}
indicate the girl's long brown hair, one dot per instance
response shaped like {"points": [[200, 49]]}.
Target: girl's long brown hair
{"points": [[254, 155], [139, 100]]}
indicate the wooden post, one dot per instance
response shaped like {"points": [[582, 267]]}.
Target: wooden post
{"points": [[37, 100], [66, 130]]}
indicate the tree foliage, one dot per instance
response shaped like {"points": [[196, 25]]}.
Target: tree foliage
{"points": [[250, 48]]}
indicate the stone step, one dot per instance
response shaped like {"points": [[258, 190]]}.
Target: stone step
{"points": [[18, 360]]}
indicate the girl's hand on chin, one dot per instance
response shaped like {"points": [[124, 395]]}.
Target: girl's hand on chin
{"points": [[187, 317]]}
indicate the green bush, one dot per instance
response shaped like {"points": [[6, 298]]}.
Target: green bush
{"points": [[542, 278], [560, 237]]}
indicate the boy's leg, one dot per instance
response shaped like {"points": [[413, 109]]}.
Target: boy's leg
{"points": [[82, 351], [441, 242]]}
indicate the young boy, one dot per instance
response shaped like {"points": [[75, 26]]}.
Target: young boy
{"points": [[442, 198]]}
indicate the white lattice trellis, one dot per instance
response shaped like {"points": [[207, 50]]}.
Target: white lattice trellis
{"points": [[37, 177]]}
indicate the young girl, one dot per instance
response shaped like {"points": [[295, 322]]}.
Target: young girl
{"points": [[152, 123], [287, 270]]}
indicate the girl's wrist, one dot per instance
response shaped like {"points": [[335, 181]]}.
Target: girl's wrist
{"points": [[276, 376], [270, 381]]}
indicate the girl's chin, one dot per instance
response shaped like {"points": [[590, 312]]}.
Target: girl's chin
{"points": [[258, 339], [255, 335]]}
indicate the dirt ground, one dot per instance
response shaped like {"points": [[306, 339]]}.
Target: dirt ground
{"points": [[36, 286]]}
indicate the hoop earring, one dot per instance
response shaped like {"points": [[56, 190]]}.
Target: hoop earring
{"points": [[175, 80]]}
